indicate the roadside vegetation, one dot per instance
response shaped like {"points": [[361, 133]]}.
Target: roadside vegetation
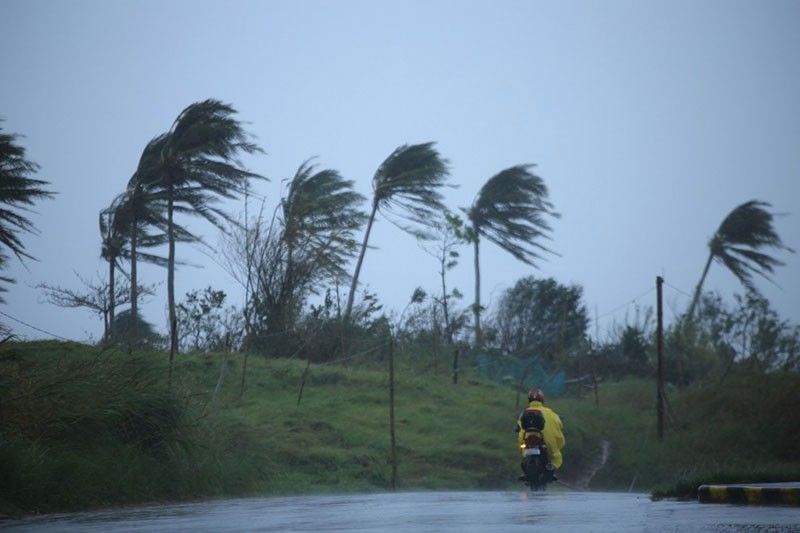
{"points": [[88, 427]]}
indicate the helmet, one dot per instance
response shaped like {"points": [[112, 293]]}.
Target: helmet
{"points": [[536, 394]]}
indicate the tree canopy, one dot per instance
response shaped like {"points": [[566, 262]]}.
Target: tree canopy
{"points": [[541, 317]]}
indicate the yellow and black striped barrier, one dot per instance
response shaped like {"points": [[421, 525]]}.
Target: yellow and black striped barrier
{"points": [[751, 493]]}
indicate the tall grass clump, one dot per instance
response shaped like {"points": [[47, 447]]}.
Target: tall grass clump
{"points": [[86, 423]]}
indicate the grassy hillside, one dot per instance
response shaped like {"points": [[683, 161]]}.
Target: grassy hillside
{"points": [[81, 427]]}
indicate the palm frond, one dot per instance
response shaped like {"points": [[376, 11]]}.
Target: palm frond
{"points": [[511, 211], [196, 161], [750, 224], [18, 191], [320, 215], [321, 203], [741, 236], [408, 183]]}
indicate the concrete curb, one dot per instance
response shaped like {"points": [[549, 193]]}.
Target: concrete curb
{"points": [[753, 494]]}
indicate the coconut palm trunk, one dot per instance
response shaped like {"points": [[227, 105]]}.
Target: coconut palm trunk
{"points": [[699, 289], [134, 288], [448, 333], [111, 300], [173, 320], [476, 307], [351, 296], [289, 273]]}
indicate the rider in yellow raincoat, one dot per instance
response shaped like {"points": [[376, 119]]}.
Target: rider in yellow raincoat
{"points": [[553, 431]]}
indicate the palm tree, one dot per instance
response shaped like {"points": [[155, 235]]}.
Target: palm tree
{"points": [[320, 214], [405, 185], [18, 191], [124, 229], [510, 211], [142, 207], [736, 244], [111, 250], [197, 167]]}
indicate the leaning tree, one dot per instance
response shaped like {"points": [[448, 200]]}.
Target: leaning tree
{"points": [[738, 245], [320, 215], [407, 185], [199, 166], [141, 216], [112, 244], [511, 210]]}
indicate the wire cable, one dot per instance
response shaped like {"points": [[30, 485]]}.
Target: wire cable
{"points": [[673, 287], [34, 327], [627, 303]]}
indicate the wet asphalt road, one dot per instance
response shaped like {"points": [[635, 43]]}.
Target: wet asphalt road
{"points": [[430, 511]]}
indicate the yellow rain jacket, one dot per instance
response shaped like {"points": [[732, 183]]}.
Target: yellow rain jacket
{"points": [[553, 432]]}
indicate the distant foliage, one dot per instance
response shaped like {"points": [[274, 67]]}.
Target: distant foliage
{"points": [[321, 335], [629, 349], [143, 336], [748, 334], [206, 325], [94, 295], [447, 236], [543, 318]]}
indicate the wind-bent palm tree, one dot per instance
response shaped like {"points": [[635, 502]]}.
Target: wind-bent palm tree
{"points": [[112, 244], [321, 214], [119, 242], [18, 191], [142, 207], [736, 244], [318, 218], [510, 211], [407, 185], [197, 167]]}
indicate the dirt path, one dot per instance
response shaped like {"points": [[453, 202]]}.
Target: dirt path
{"points": [[599, 462]]}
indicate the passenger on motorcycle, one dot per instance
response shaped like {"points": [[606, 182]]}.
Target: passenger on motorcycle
{"points": [[552, 432]]}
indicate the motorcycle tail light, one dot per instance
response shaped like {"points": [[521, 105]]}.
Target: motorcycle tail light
{"points": [[533, 440]]}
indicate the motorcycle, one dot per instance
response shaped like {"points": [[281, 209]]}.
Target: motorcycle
{"points": [[535, 464]]}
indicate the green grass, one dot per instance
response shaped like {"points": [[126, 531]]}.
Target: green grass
{"points": [[745, 429], [82, 428]]}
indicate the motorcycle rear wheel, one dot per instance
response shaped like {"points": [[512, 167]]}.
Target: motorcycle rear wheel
{"points": [[536, 473]]}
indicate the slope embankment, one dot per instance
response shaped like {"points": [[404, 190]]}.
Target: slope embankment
{"points": [[82, 427]]}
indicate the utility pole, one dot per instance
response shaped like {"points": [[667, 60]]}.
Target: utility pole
{"points": [[392, 450], [660, 348]]}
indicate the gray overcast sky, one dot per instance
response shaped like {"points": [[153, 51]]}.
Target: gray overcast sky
{"points": [[649, 121]]}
